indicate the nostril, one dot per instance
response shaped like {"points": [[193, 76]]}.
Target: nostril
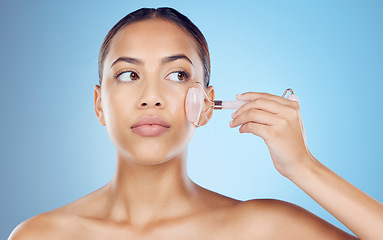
{"points": [[146, 104]]}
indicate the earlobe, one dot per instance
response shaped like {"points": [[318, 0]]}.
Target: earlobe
{"points": [[208, 105], [98, 105]]}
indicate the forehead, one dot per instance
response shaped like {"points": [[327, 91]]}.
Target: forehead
{"points": [[153, 38]]}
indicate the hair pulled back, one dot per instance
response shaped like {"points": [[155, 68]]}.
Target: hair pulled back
{"points": [[165, 13]]}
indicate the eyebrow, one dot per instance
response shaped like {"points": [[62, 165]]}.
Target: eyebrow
{"points": [[176, 57], [140, 62], [128, 60]]}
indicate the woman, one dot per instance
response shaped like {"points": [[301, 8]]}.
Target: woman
{"points": [[147, 62]]}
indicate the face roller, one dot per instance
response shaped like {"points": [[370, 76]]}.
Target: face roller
{"points": [[195, 99]]}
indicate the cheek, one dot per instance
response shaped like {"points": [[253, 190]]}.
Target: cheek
{"points": [[184, 128], [118, 107], [120, 104], [176, 106]]}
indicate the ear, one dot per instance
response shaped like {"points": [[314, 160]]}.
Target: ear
{"points": [[207, 105], [98, 106]]}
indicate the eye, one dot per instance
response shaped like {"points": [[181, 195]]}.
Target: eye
{"points": [[178, 76], [127, 76]]}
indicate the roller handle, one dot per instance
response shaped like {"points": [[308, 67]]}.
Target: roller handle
{"points": [[235, 104]]}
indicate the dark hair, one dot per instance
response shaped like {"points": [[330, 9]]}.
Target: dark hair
{"points": [[165, 13]]}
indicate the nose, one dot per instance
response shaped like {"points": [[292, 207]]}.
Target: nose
{"points": [[151, 96]]}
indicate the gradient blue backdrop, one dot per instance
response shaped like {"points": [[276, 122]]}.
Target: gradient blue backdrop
{"points": [[53, 150]]}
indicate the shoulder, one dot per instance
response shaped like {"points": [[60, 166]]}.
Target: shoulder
{"points": [[272, 208], [60, 223], [283, 219], [49, 225]]}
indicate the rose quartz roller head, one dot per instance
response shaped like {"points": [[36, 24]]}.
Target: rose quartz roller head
{"points": [[195, 100], [193, 104]]}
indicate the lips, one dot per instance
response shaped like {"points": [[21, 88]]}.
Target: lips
{"points": [[150, 126]]}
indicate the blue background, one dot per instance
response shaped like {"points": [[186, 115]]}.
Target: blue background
{"points": [[53, 150]]}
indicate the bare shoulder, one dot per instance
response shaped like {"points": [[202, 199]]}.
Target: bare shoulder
{"points": [[36, 227], [49, 225], [283, 219], [60, 223]]}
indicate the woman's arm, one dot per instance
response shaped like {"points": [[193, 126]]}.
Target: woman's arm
{"points": [[278, 121], [359, 212]]}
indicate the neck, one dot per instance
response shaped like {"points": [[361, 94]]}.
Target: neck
{"points": [[145, 193]]}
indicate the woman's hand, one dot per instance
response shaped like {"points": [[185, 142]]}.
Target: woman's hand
{"points": [[278, 121]]}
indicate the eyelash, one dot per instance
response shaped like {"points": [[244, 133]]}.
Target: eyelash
{"points": [[187, 75]]}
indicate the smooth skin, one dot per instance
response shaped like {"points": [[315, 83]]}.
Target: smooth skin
{"points": [[151, 195]]}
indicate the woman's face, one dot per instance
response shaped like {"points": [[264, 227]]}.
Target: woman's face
{"points": [[149, 68]]}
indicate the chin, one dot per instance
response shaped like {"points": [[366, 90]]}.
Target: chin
{"points": [[154, 154], [152, 160]]}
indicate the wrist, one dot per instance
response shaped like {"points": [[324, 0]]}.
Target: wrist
{"points": [[307, 167]]}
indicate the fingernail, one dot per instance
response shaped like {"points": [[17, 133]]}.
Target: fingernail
{"points": [[230, 123], [232, 115], [238, 95]]}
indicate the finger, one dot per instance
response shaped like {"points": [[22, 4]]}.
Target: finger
{"points": [[261, 104], [254, 95], [256, 129], [254, 115]]}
